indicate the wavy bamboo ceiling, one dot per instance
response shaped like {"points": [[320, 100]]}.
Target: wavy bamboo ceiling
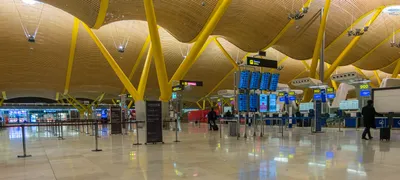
{"points": [[247, 26]]}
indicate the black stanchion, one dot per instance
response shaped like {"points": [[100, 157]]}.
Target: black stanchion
{"points": [[87, 126], [23, 143], [95, 138], [55, 129], [60, 131], [176, 131], [137, 135]]}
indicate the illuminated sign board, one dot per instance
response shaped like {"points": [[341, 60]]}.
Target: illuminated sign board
{"points": [[281, 94], [178, 88], [292, 93], [331, 96], [263, 103], [174, 95], [252, 61], [272, 103], [364, 86], [364, 93], [191, 83], [317, 91], [330, 90]]}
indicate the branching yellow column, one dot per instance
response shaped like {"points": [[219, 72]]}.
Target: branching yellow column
{"points": [[75, 30], [162, 76], [114, 65], [318, 44], [377, 77], [138, 60], [102, 14], [396, 69], [202, 38], [226, 54], [363, 75], [130, 104], [353, 42], [145, 74], [4, 95]]}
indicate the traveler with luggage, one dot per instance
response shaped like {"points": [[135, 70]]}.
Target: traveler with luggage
{"points": [[212, 116], [368, 112]]}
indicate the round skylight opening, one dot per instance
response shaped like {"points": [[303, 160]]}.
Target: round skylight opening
{"points": [[392, 10]]}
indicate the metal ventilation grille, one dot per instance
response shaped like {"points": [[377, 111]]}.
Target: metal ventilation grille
{"points": [[85, 10]]}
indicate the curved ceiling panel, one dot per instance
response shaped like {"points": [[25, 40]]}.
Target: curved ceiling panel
{"points": [[183, 19], [390, 68], [252, 25]]}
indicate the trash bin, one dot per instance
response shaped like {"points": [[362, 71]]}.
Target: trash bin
{"points": [[232, 128]]}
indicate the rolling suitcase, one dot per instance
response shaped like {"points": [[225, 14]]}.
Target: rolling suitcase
{"points": [[215, 127], [385, 134]]}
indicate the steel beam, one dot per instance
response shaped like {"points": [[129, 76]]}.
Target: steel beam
{"points": [[396, 69], [102, 14], [145, 74], [233, 62], [138, 61], [194, 52], [75, 30], [353, 42], [162, 76], [318, 44], [76, 102], [114, 65]]}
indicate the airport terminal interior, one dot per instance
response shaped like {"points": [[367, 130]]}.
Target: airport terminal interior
{"points": [[199, 89]]}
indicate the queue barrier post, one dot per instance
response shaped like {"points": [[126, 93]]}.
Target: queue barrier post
{"points": [[95, 138], [137, 135], [60, 134], [23, 143], [176, 131]]}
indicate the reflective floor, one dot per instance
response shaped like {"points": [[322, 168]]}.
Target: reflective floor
{"points": [[200, 155]]}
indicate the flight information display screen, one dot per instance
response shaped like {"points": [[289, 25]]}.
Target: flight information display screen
{"points": [[274, 82], [272, 103], [263, 103], [243, 102], [253, 102], [255, 80], [265, 81], [244, 80]]}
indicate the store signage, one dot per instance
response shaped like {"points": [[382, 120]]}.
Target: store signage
{"points": [[252, 61], [153, 122], [191, 83], [292, 93], [364, 93], [317, 91], [116, 119], [364, 86], [330, 90], [178, 88], [331, 96], [281, 94], [263, 103], [272, 103]]}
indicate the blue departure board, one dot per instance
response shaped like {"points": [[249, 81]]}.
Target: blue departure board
{"points": [[274, 82], [253, 102], [263, 103], [255, 80], [243, 102], [272, 103], [265, 81], [244, 80]]}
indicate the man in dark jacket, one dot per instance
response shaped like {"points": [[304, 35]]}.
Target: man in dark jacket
{"points": [[212, 116], [368, 113]]}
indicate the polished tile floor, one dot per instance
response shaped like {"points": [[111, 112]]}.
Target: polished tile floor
{"points": [[201, 155]]}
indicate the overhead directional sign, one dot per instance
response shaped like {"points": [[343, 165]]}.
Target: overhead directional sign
{"points": [[191, 83], [178, 88], [252, 61]]}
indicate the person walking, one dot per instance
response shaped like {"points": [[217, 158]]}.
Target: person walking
{"points": [[368, 112], [212, 116]]}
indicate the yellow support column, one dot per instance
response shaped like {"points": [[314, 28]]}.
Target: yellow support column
{"points": [[102, 14], [353, 42], [208, 29], [204, 104], [145, 74], [57, 97], [162, 76], [113, 101], [75, 30], [138, 61], [130, 104], [318, 44], [396, 69], [199, 105], [365, 77], [332, 81], [377, 77], [233, 62], [76, 102], [4, 95], [1, 102], [114, 65]]}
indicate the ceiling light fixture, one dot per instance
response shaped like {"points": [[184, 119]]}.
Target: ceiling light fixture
{"points": [[29, 2]]}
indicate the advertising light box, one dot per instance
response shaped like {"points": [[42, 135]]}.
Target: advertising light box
{"points": [[263, 103], [272, 103]]}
